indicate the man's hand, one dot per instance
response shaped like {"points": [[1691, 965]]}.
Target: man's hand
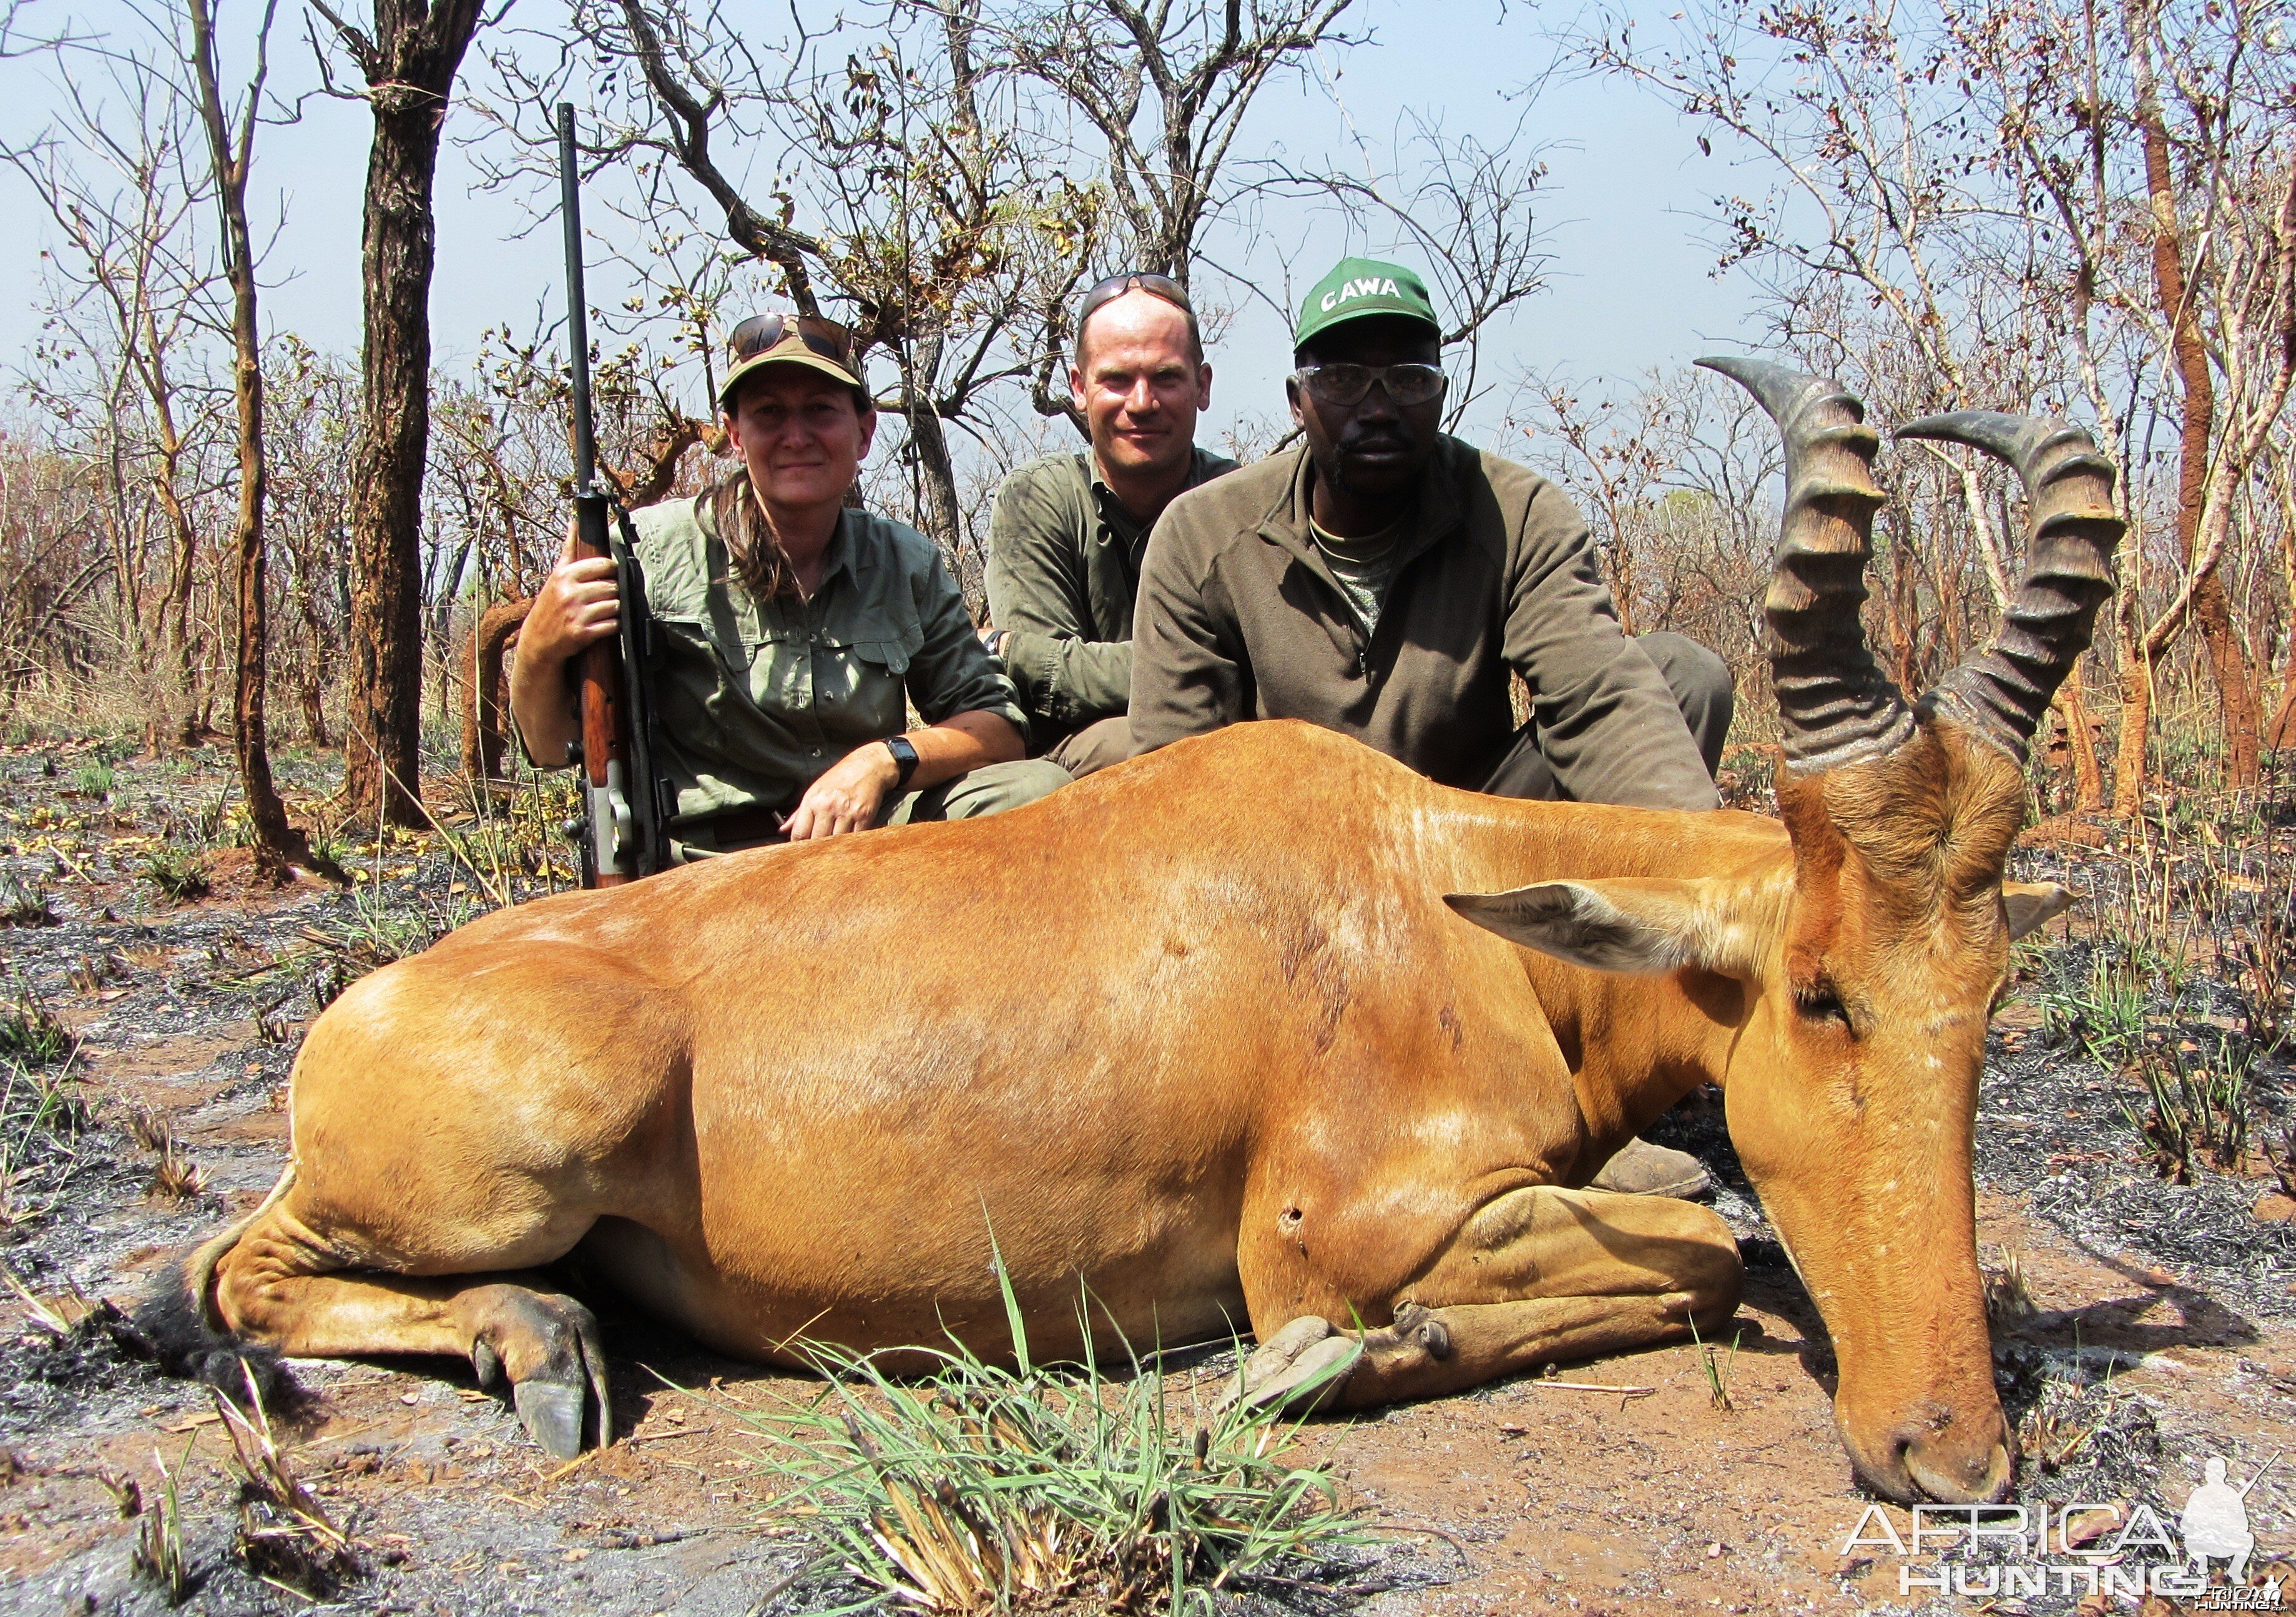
{"points": [[847, 795], [578, 605]]}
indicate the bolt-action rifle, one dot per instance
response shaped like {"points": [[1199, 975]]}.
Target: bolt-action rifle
{"points": [[622, 825]]}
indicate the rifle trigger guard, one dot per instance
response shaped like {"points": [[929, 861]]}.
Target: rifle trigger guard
{"points": [[612, 825]]}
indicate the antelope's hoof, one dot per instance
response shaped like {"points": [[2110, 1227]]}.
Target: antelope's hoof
{"points": [[548, 1346], [1300, 1370], [552, 1413], [1417, 1326]]}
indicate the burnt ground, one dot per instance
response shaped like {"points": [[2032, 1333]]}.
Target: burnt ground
{"points": [[2143, 1326]]}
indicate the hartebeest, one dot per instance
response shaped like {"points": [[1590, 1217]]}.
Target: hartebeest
{"points": [[1312, 1040]]}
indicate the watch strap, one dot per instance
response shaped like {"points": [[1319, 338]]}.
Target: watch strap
{"points": [[904, 760]]}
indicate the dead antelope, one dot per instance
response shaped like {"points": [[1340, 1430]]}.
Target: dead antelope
{"points": [[1321, 1042]]}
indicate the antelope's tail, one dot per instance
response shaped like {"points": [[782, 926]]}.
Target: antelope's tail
{"points": [[191, 1339]]}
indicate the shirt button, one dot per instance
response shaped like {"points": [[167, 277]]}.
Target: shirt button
{"points": [[817, 752]]}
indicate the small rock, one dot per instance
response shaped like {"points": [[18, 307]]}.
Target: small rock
{"points": [[1714, 1552], [2273, 1208]]}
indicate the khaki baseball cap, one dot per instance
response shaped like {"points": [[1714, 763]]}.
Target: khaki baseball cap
{"points": [[1356, 287], [784, 339]]}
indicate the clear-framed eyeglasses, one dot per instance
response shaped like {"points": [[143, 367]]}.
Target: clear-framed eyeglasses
{"points": [[1345, 384]]}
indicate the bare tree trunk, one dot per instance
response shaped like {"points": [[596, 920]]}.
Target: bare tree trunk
{"points": [[1901, 601], [2072, 712], [936, 469], [2178, 307], [442, 609], [183, 563], [410, 61], [2136, 665], [2282, 733], [313, 685], [277, 845]]}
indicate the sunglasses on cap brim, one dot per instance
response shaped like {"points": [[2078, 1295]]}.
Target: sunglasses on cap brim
{"points": [[760, 333]]}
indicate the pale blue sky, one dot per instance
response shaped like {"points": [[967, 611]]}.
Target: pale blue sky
{"points": [[1630, 285]]}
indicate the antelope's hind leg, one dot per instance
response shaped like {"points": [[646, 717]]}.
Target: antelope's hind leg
{"points": [[1538, 1275], [296, 1292]]}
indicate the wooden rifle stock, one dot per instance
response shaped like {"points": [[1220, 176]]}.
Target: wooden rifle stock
{"points": [[606, 770]]}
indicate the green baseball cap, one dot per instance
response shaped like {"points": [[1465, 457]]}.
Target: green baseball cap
{"points": [[1356, 287]]}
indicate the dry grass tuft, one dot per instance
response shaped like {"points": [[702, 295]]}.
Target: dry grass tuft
{"points": [[23, 904], [2008, 1295], [158, 1553], [286, 1538], [174, 1175], [30, 1033]]}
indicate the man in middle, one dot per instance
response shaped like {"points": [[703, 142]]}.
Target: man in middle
{"points": [[1066, 537]]}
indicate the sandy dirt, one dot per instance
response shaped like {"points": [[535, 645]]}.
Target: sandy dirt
{"points": [[2154, 1327]]}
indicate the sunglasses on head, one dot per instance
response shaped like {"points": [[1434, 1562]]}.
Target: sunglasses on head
{"points": [[759, 332], [1146, 280], [1344, 385]]}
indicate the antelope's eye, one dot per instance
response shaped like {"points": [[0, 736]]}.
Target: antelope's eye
{"points": [[1820, 1001]]}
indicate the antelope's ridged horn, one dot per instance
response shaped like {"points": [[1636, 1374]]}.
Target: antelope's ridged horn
{"points": [[2071, 530], [1836, 706]]}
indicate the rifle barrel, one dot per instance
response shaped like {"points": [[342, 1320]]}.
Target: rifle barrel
{"points": [[578, 318]]}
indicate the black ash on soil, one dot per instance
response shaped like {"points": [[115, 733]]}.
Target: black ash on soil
{"points": [[47, 1376]]}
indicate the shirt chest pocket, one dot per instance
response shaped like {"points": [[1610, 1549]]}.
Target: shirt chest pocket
{"points": [[860, 677]]}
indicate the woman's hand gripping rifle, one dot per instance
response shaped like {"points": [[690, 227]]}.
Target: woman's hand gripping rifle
{"points": [[622, 827]]}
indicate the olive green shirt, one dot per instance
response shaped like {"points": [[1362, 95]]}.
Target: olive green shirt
{"points": [[754, 700], [1064, 570], [1241, 617]]}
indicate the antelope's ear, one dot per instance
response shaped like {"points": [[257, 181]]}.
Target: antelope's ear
{"points": [[2031, 904], [1625, 924]]}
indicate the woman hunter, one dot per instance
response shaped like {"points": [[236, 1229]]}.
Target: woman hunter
{"points": [[793, 631]]}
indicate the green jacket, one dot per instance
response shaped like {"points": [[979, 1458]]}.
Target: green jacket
{"points": [[1064, 573], [754, 700], [1239, 618]]}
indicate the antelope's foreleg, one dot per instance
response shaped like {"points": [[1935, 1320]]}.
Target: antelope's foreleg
{"points": [[1539, 1275], [291, 1290]]}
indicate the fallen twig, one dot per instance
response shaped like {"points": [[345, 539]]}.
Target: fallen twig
{"points": [[663, 1437]]}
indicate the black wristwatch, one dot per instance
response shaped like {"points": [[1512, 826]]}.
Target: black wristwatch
{"points": [[904, 758]]}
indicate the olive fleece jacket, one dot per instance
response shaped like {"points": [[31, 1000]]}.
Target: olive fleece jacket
{"points": [[1239, 617]]}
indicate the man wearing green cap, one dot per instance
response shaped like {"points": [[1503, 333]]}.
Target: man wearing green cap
{"points": [[1383, 578], [793, 632]]}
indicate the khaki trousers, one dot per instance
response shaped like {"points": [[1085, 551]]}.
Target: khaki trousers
{"points": [[1094, 746], [990, 789]]}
